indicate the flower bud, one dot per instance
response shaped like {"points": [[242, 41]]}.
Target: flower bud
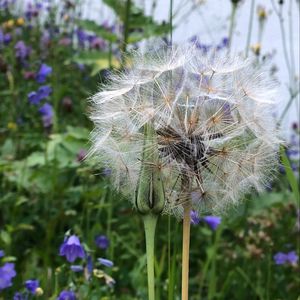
{"points": [[150, 191]]}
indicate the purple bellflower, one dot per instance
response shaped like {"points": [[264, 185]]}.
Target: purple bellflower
{"points": [[106, 262], [43, 72], [66, 295], [102, 241], [71, 248], [212, 221], [47, 114], [31, 285], [7, 273]]}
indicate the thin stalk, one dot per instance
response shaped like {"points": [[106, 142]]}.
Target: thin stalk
{"points": [[150, 222], [250, 27], [126, 30], [186, 251], [171, 21], [231, 26]]}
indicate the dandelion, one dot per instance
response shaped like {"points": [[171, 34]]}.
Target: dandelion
{"points": [[184, 131]]}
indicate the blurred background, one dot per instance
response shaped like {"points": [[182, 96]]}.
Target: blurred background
{"points": [[53, 56]]}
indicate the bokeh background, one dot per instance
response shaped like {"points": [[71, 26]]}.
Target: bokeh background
{"points": [[53, 56]]}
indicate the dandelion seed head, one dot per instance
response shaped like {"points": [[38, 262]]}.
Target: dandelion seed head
{"points": [[214, 136]]}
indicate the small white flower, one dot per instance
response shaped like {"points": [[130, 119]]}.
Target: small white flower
{"points": [[214, 137]]}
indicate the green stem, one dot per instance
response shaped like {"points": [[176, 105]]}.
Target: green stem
{"points": [[250, 27], [231, 27], [126, 30], [150, 221]]}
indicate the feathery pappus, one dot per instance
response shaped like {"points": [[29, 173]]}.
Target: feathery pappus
{"points": [[213, 134]]}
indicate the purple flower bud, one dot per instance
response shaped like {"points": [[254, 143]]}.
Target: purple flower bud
{"points": [[81, 155], [47, 114], [66, 295], [102, 241], [195, 219], [32, 285], [43, 72], [71, 248], [212, 221], [76, 268], [105, 262]]}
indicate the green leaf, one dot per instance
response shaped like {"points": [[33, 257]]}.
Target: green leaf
{"points": [[98, 30], [290, 175]]}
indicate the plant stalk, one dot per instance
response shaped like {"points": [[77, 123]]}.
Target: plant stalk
{"points": [[186, 251], [150, 222]]}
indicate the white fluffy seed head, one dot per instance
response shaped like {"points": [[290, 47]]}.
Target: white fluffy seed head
{"points": [[213, 123]]}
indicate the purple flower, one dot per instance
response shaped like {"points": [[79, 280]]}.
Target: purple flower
{"points": [[292, 257], [7, 38], [2, 253], [195, 219], [280, 258], [22, 51], [31, 285], [18, 296], [102, 241], [89, 265], [81, 155], [7, 272], [76, 268], [71, 248], [42, 74], [66, 295], [43, 92], [212, 221], [81, 36], [105, 262], [47, 114]]}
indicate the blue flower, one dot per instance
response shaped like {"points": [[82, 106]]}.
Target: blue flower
{"points": [[19, 296], [43, 72], [47, 114], [71, 248], [106, 262], [2, 253], [102, 241], [43, 92], [31, 285], [76, 268], [195, 219], [22, 51], [66, 295], [7, 273], [212, 221], [279, 258], [292, 257]]}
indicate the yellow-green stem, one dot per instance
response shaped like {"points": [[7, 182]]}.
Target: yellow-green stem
{"points": [[186, 251], [150, 221]]}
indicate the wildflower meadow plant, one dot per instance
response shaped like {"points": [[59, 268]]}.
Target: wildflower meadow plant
{"points": [[185, 131]]}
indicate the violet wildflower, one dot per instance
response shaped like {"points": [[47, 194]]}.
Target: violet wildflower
{"points": [[71, 248], [102, 241], [2, 253], [292, 257], [76, 268], [47, 114], [7, 38], [106, 262], [36, 97], [66, 295], [212, 221], [7, 273], [19, 296], [22, 51], [43, 72], [32, 285], [81, 155], [195, 219], [89, 265]]}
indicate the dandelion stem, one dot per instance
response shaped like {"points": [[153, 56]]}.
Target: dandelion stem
{"points": [[150, 221], [186, 251], [231, 26]]}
